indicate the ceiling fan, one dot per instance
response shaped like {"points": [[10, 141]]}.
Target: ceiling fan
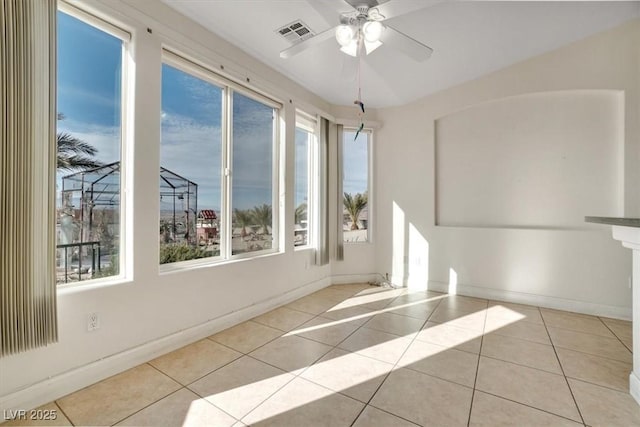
{"points": [[361, 30]]}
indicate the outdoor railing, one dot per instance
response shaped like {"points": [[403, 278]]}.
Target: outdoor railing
{"points": [[94, 248]]}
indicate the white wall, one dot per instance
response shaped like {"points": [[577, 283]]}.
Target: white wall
{"points": [[558, 260], [148, 305]]}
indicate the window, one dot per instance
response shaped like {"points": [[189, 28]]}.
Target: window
{"points": [[218, 169], [252, 174], [89, 135], [303, 179], [190, 167], [355, 186]]}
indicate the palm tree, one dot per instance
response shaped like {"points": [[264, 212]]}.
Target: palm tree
{"points": [[354, 205], [74, 153], [262, 216], [300, 213], [242, 219]]}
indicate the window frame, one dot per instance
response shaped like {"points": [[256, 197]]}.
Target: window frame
{"points": [[370, 195], [229, 87], [309, 123], [125, 238]]}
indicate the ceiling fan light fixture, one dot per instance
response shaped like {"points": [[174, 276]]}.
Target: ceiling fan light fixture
{"points": [[344, 35], [371, 46], [372, 30], [351, 48]]}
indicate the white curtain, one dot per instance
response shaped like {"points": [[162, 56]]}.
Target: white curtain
{"points": [[27, 174]]}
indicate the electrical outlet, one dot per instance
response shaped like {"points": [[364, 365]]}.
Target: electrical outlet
{"points": [[93, 322]]}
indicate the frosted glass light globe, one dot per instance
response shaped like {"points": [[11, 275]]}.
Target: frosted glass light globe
{"points": [[344, 35], [372, 31]]}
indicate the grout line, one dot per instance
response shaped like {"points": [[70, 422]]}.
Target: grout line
{"points": [[614, 334], [55, 402], [528, 406], [562, 369], [475, 380], [146, 406], [368, 403]]}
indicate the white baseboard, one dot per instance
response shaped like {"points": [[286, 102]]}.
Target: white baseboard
{"points": [[341, 279], [60, 385], [593, 309], [634, 386]]}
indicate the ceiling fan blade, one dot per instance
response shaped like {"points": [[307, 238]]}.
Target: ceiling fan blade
{"points": [[393, 8], [330, 9], [310, 42], [397, 40]]}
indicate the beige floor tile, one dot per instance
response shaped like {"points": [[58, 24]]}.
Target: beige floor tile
{"points": [[450, 337], [356, 287], [246, 336], [530, 313], [349, 373], [45, 415], [460, 319], [575, 322], [337, 294], [621, 328], [446, 363], [376, 344], [373, 417], [303, 403], [594, 369], [522, 352], [602, 406], [117, 397], [492, 411], [523, 330], [532, 387], [500, 315], [589, 343], [241, 386], [326, 331], [406, 305], [396, 324], [357, 315], [182, 408], [283, 318], [196, 360], [312, 304], [438, 402], [371, 299], [463, 303], [291, 353]]}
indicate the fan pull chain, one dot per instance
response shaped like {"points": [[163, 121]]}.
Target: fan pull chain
{"points": [[358, 102]]}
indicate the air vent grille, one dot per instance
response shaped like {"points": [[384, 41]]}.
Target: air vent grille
{"points": [[295, 32]]}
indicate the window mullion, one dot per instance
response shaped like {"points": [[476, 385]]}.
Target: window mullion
{"points": [[226, 213]]}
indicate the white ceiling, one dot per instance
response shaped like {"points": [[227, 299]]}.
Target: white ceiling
{"points": [[469, 39]]}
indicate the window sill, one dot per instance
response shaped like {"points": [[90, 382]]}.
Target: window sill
{"points": [[179, 267]]}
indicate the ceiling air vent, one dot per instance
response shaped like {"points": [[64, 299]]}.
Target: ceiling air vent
{"points": [[295, 32]]}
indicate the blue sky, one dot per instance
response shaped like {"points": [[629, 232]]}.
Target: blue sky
{"points": [[89, 91]]}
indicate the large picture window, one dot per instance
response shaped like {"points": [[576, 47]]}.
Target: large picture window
{"points": [[355, 186], [89, 138], [190, 167], [218, 166]]}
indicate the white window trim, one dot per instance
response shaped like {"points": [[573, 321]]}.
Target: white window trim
{"points": [[309, 123], [125, 250]]}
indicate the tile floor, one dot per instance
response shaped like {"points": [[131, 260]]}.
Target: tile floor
{"points": [[357, 355]]}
